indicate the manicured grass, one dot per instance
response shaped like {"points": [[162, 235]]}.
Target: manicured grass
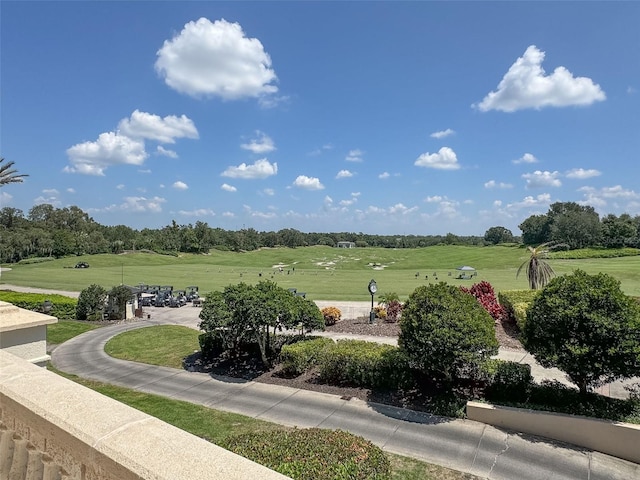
{"points": [[214, 425], [64, 330], [405, 468], [324, 273], [165, 345]]}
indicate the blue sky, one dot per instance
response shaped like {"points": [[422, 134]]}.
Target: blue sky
{"points": [[375, 117]]}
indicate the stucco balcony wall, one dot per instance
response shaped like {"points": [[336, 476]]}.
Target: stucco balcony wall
{"points": [[24, 333]]}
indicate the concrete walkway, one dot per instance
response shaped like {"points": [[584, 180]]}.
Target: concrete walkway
{"points": [[459, 444]]}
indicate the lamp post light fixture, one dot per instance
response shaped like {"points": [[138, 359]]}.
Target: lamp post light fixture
{"points": [[373, 288]]}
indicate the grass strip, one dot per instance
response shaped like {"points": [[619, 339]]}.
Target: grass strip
{"points": [[64, 330]]}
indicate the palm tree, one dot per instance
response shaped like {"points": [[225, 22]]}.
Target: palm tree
{"points": [[538, 271], [8, 175]]}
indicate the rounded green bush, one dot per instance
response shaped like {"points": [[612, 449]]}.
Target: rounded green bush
{"points": [[445, 332], [587, 327]]}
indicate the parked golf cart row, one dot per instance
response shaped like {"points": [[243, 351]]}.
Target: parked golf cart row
{"points": [[166, 296]]}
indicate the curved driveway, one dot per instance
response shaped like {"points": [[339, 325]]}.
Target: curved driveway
{"points": [[460, 444]]}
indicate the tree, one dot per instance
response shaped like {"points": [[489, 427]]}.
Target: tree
{"points": [[91, 303], [618, 232], [445, 332], [118, 298], [247, 313], [587, 327], [536, 230], [576, 225], [9, 175], [538, 270], [497, 235]]}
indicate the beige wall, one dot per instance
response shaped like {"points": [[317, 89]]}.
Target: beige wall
{"points": [[24, 333], [52, 428], [613, 438]]}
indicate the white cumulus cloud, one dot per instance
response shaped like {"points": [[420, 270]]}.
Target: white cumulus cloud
{"points": [[526, 158], [581, 173], [93, 158], [198, 212], [344, 174], [525, 85], [261, 144], [384, 175], [228, 188], [142, 125], [141, 204], [442, 133], [445, 159], [542, 200], [216, 59], [308, 183], [180, 185], [259, 169], [494, 184], [540, 179]]}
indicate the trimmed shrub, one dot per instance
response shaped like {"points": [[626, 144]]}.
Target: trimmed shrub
{"points": [[516, 303], [445, 333], [313, 454], [551, 395], [507, 381], [298, 357], [63, 308], [587, 327], [358, 363], [331, 315], [596, 253]]}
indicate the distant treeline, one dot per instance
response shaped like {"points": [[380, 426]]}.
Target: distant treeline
{"points": [[47, 231]]}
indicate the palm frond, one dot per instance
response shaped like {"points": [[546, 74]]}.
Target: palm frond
{"points": [[9, 175]]}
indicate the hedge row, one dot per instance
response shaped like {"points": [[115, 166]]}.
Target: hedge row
{"points": [[299, 357], [506, 380], [63, 308], [313, 454], [362, 364], [348, 362], [516, 303], [595, 253]]}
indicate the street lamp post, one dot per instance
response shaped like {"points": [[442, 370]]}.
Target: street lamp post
{"points": [[373, 288]]}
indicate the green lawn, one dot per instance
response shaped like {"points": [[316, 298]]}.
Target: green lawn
{"points": [[324, 273], [64, 330], [165, 345]]}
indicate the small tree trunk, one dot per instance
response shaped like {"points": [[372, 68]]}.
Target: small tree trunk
{"points": [[582, 386]]}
